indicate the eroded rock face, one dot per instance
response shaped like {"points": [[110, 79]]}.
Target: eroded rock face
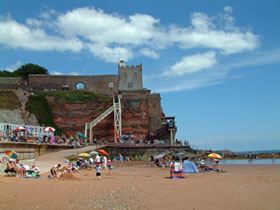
{"points": [[141, 116]]}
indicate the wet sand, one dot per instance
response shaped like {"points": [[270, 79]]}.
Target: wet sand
{"points": [[135, 186]]}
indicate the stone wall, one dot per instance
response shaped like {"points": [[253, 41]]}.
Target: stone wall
{"points": [[10, 82], [144, 152], [103, 84]]}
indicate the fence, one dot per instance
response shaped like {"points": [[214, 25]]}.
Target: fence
{"points": [[8, 130]]}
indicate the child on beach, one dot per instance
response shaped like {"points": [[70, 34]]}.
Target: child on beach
{"points": [[54, 169], [109, 166], [98, 171]]}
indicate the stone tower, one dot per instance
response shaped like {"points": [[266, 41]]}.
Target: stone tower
{"points": [[130, 77]]}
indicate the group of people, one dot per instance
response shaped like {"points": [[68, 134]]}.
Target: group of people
{"points": [[20, 170], [213, 167], [101, 162]]}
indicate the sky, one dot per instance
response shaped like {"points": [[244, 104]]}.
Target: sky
{"points": [[215, 63]]}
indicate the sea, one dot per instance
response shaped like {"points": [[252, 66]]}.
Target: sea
{"points": [[258, 152], [249, 161], [252, 161]]}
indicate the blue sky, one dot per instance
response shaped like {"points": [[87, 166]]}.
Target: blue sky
{"points": [[215, 63]]}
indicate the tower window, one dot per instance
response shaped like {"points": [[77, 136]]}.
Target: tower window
{"points": [[111, 85], [130, 84]]}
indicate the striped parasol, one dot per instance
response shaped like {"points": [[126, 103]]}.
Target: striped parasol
{"points": [[11, 154]]}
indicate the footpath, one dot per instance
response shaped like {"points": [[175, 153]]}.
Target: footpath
{"points": [[45, 162]]}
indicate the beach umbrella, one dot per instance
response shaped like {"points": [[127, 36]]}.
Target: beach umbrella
{"points": [[83, 154], [180, 154], [11, 154], [132, 136], [49, 129], [20, 128], [81, 135], [214, 155], [93, 153], [159, 156], [103, 152]]}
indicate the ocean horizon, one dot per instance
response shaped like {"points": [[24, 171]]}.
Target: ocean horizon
{"points": [[259, 151]]}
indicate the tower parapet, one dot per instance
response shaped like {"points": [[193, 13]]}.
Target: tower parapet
{"points": [[130, 77]]}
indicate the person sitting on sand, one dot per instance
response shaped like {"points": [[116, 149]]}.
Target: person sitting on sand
{"points": [[176, 169], [216, 165], [20, 170], [72, 167], [54, 169], [10, 167]]}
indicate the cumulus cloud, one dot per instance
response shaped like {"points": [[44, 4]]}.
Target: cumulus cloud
{"points": [[110, 36], [16, 35], [149, 53], [192, 64], [14, 66]]}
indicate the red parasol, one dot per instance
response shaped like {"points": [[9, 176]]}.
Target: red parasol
{"points": [[49, 129], [20, 128], [101, 151]]}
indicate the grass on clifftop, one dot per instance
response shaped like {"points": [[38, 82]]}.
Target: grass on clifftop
{"points": [[39, 106], [75, 96], [9, 100]]}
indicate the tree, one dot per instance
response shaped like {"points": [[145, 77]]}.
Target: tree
{"points": [[30, 68]]}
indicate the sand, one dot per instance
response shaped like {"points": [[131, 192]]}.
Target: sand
{"points": [[135, 186]]}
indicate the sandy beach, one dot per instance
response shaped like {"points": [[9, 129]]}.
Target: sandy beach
{"points": [[136, 186]]}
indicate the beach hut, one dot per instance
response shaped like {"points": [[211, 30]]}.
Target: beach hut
{"points": [[189, 167]]}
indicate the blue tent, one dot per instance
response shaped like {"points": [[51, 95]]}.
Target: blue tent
{"points": [[189, 167]]}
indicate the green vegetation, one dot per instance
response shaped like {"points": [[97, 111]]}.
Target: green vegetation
{"points": [[75, 96], [5, 73], [24, 71], [9, 100], [39, 106]]}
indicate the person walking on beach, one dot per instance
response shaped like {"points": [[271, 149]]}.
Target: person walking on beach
{"points": [[97, 160], [104, 162]]}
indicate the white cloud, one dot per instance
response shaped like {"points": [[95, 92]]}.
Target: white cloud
{"points": [[110, 54], [192, 64], [149, 53], [74, 73], [17, 35], [34, 22], [110, 36], [228, 9], [56, 73], [205, 34], [14, 66]]}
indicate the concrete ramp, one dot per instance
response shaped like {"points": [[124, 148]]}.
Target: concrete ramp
{"points": [[45, 162]]}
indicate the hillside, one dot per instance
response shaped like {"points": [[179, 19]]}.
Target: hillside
{"points": [[68, 111]]}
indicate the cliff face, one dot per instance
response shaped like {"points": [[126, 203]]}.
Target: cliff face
{"points": [[141, 116]]}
